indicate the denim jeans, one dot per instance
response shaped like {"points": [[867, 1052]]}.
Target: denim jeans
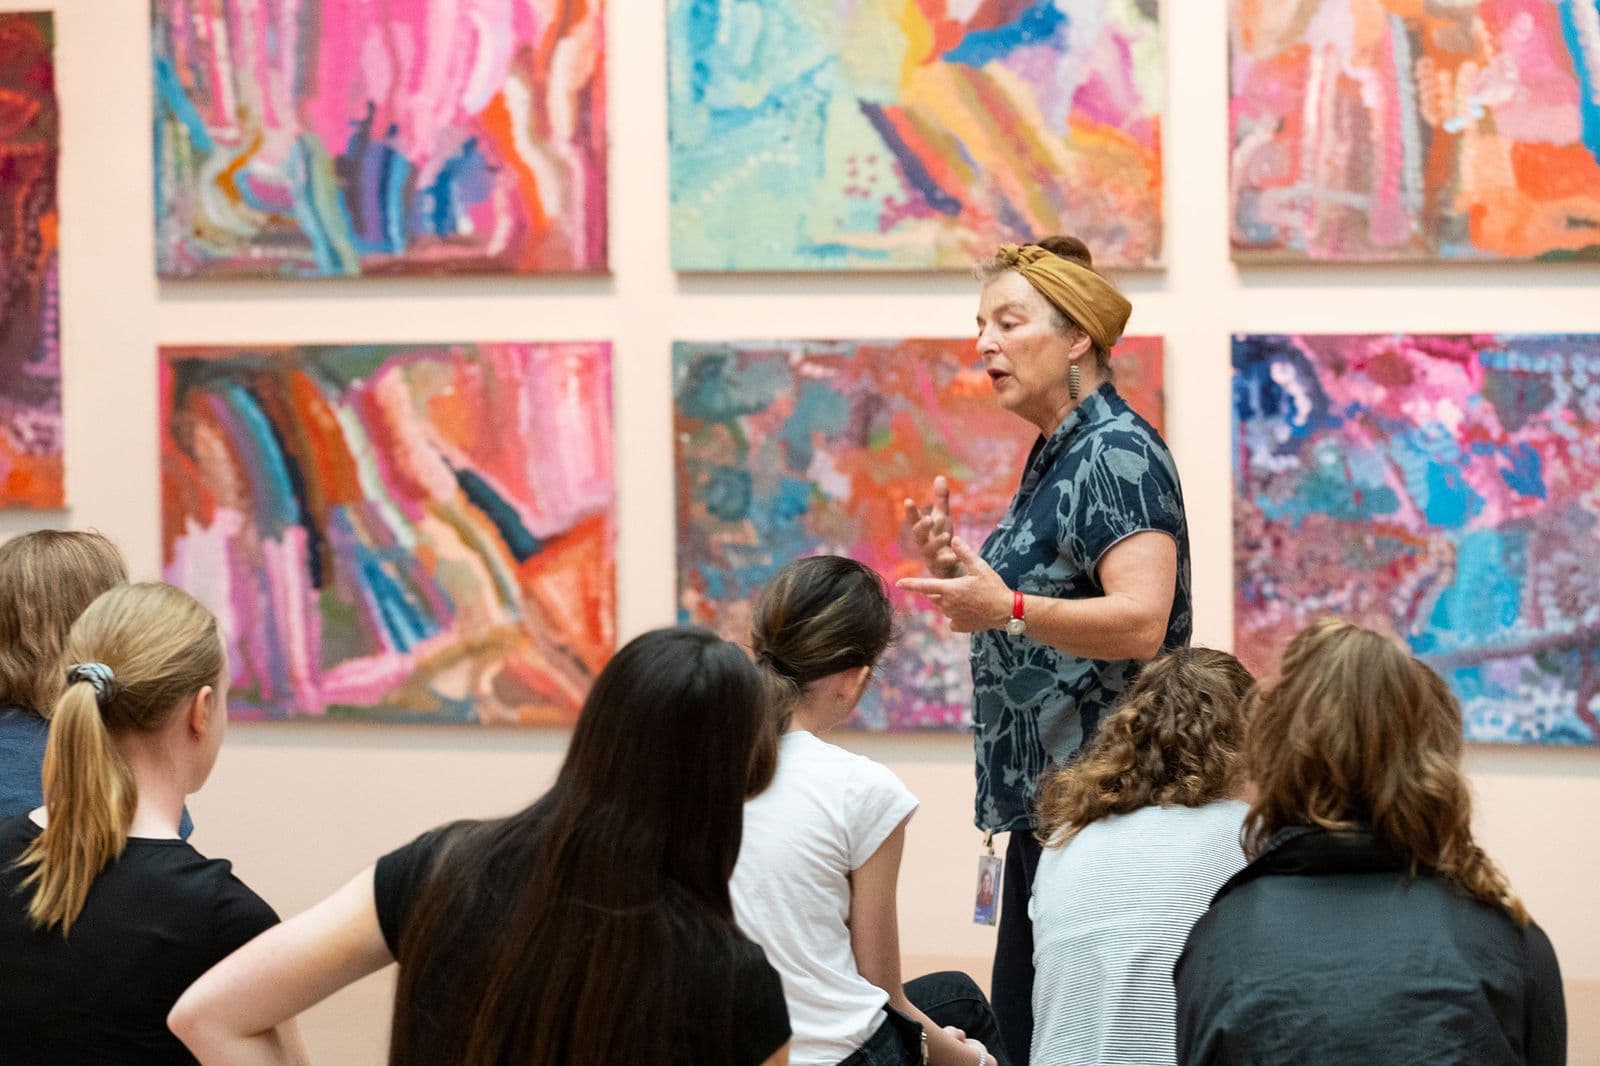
{"points": [[948, 998], [1012, 983]]}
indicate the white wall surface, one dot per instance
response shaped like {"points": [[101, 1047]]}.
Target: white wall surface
{"points": [[299, 808]]}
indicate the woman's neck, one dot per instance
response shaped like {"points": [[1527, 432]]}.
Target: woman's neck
{"points": [[1090, 379], [159, 808], [810, 716]]}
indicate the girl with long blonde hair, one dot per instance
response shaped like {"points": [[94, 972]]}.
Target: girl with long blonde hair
{"points": [[106, 915], [1369, 925]]}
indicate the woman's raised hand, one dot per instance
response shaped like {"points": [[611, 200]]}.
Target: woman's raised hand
{"points": [[976, 600], [933, 531]]}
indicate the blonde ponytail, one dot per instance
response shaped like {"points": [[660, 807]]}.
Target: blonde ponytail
{"points": [[90, 795], [140, 651]]}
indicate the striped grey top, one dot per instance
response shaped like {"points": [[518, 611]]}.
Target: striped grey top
{"points": [[1111, 912]]}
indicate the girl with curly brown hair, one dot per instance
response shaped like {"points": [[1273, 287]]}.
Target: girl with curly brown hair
{"points": [[1369, 926], [1138, 833]]}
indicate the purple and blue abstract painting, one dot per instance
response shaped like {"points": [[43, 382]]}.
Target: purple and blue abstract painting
{"points": [[1443, 488]]}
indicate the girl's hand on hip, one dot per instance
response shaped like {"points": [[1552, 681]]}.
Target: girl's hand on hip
{"points": [[979, 599]]}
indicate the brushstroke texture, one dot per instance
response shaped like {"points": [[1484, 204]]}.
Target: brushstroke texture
{"points": [[793, 448], [396, 533], [30, 346], [341, 137], [1401, 130], [1444, 488], [911, 134]]}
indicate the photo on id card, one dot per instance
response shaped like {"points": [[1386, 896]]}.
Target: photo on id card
{"points": [[987, 906]]}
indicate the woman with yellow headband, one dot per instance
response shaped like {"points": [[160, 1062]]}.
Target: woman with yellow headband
{"points": [[1085, 578]]}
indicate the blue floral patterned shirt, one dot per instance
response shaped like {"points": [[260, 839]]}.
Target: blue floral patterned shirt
{"points": [[1102, 476]]}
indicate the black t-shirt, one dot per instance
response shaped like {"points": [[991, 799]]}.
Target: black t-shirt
{"points": [[155, 919], [761, 1017]]}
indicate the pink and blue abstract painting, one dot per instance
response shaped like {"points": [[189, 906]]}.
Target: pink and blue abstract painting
{"points": [[911, 134], [343, 137], [396, 533], [794, 448], [30, 311], [1444, 488]]}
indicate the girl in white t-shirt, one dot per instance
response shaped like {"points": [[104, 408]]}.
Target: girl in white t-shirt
{"points": [[819, 866]]}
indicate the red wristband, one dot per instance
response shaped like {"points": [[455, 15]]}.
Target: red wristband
{"points": [[1016, 605]]}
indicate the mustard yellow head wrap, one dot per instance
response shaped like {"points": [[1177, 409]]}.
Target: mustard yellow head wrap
{"points": [[1086, 298]]}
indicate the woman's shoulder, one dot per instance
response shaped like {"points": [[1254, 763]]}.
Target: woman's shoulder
{"points": [[201, 878], [1166, 836], [1225, 815], [399, 876], [1122, 431], [806, 750], [16, 720], [17, 831], [879, 786]]}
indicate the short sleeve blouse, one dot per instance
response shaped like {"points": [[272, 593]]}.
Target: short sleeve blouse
{"points": [[1102, 476]]}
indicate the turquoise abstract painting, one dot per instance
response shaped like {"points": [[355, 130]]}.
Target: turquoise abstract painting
{"points": [[911, 134]]}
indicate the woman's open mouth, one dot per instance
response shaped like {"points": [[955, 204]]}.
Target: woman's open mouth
{"points": [[998, 377]]}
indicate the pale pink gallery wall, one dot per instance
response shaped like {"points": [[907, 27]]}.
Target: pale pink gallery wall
{"points": [[300, 809]]}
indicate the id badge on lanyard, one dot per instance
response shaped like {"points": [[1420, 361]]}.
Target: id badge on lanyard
{"points": [[986, 909]]}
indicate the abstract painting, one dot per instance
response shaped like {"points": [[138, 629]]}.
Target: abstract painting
{"points": [[30, 345], [794, 448], [1445, 489], [886, 134], [340, 137], [417, 533], [1399, 130]]}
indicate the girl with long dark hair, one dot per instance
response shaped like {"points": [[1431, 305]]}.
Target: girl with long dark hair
{"points": [[592, 927]]}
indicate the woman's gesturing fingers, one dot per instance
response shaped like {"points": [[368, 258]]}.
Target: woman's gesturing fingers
{"points": [[977, 600], [933, 531]]}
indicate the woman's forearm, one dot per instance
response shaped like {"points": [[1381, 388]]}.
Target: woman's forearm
{"points": [[1139, 575], [1106, 627], [943, 1049], [242, 1010], [270, 1048]]}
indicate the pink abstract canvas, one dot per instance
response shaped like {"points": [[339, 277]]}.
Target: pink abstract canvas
{"points": [[30, 342], [416, 533], [1410, 130], [342, 137]]}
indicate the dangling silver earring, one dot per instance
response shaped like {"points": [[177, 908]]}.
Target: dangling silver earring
{"points": [[1074, 382]]}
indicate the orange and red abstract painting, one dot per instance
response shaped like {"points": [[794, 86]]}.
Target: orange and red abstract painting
{"points": [[1403, 130], [30, 343], [420, 533], [793, 448], [911, 134]]}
